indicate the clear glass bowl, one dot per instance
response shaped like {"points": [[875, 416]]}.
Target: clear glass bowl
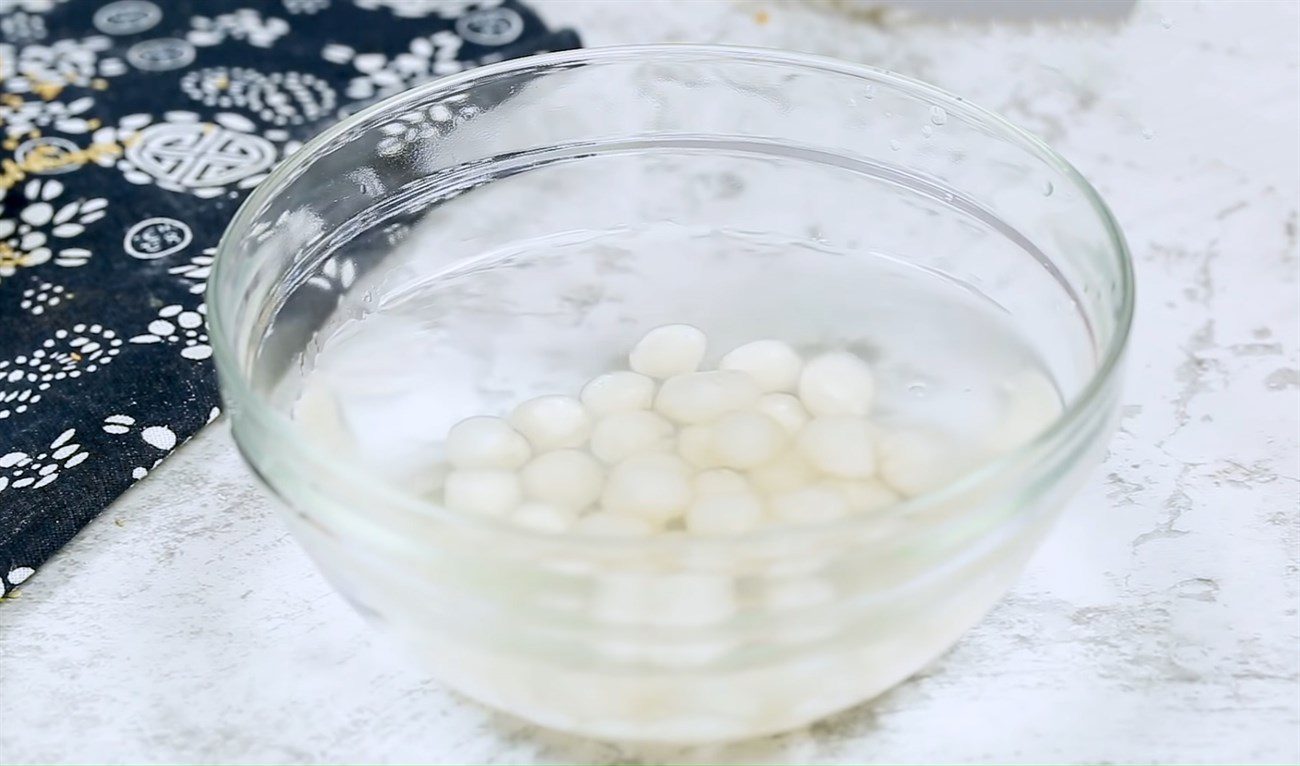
{"points": [[654, 152]]}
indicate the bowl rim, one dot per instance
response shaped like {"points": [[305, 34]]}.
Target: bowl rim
{"points": [[249, 403]]}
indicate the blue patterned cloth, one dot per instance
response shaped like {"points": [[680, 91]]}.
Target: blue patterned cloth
{"points": [[131, 132]]}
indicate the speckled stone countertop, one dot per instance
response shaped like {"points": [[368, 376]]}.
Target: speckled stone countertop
{"points": [[1157, 624]]}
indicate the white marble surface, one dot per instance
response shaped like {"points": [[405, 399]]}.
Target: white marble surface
{"points": [[1158, 624]]}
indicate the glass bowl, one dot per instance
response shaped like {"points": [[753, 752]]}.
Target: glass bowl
{"points": [[512, 230]]}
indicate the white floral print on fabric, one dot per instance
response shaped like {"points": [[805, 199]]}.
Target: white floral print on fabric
{"points": [[277, 98], [308, 7], [336, 274], [160, 437], [83, 350], [35, 6], [24, 471], [414, 9], [34, 114], [195, 272], [178, 325], [244, 24], [62, 63], [383, 75], [42, 296], [22, 27], [31, 237], [419, 125]]}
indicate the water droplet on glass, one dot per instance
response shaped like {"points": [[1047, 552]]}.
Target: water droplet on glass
{"points": [[895, 144], [927, 131], [1048, 189], [1166, 22], [869, 92], [917, 390], [1148, 133], [937, 115]]}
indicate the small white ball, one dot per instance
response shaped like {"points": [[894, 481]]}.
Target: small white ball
{"points": [[621, 435], [783, 473], [484, 491], [842, 446], [673, 349], [837, 383], [486, 442], [772, 364], [552, 422], [914, 462], [726, 513], [718, 481], [747, 439], [703, 396], [1032, 403], [865, 496], [654, 487], [605, 524], [618, 391], [695, 445], [809, 505], [543, 517], [785, 409], [567, 478]]}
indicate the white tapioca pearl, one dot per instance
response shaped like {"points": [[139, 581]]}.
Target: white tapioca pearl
{"points": [[606, 524], [798, 593], [785, 409], [544, 517], [621, 435], [617, 392], [725, 513], [695, 445], [841, 446], [772, 364], [865, 495], [703, 396], [486, 442], [683, 600], [747, 439], [719, 481], [673, 349], [1032, 403], [654, 487], [568, 478], [837, 383], [552, 422], [809, 505], [485, 491], [319, 411], [783, 473], [915, 462]]}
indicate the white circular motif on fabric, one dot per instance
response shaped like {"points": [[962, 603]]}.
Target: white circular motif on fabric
{"points": [[490, 26], [155, 238], [160, 55], [57, 147], [127, 17], [199, 155]]}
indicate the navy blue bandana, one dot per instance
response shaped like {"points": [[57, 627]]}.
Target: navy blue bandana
{"points": [[131, 131]]}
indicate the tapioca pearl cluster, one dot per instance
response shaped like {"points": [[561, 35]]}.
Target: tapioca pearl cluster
{"points": [[766, 438]]}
